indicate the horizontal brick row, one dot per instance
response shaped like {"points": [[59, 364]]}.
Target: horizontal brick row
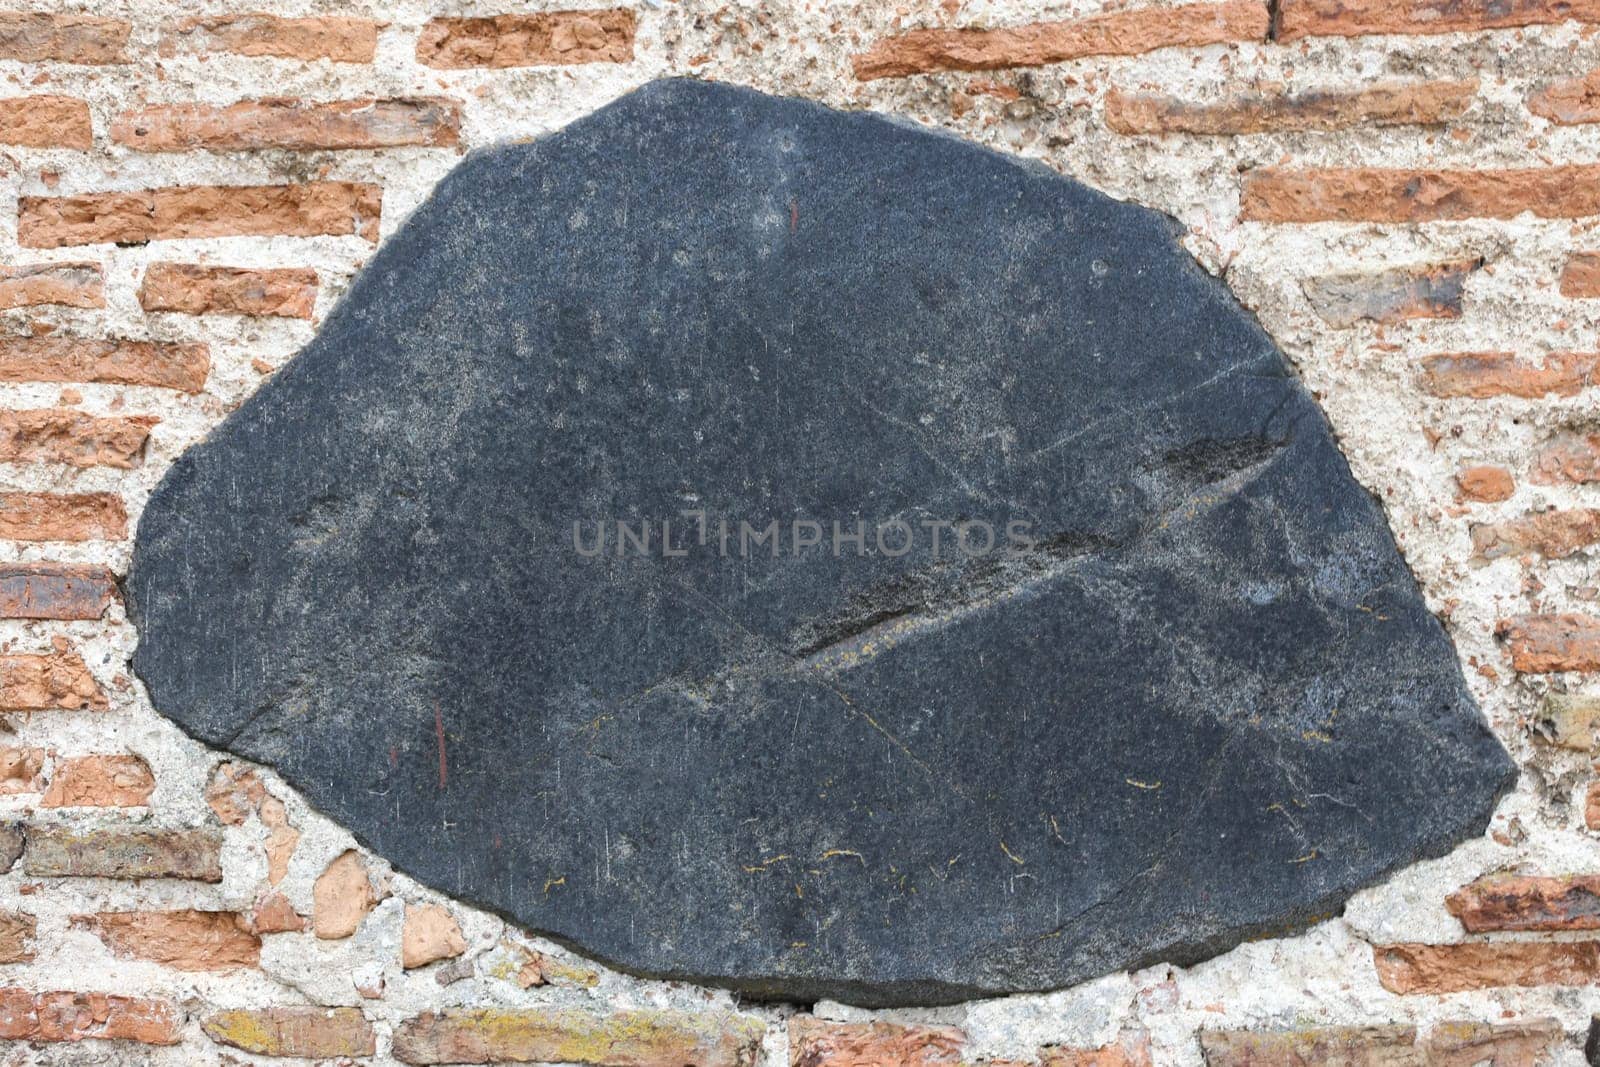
{"points": [[1446, 1044]]}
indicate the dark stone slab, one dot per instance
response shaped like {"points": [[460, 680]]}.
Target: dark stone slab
{"points": [[1203, 701]]}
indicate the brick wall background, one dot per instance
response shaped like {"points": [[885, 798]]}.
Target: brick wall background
{"points": [[1407, 192]]}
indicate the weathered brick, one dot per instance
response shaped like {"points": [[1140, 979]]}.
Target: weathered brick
{"points": [[1591, 807], [234, 792], [183, 940], [1377, 194], [1542, 644], [1570, 101], [55, 590], [303, 1032], [62, 435], [1570, 458], [1552, 534], [100, 781], [1435, 969], [1485, 485], [191, 289], [430, 934], [273, 914], [294, 124], [305, 210], [62, 517], [52, 681], [1427, 292], [12, 841], [166, 365], [543, 38], [1278, 111], [1479, 375], [68, 1016], [1116, 33], [35, 37], [1520, 902], [45, 121], [564, 1035], [1479, 1044], [123, 852], [1581, 276], [1327, 1046], [816, 1042], [341, 897], [78, 285], [21, 771], [1353, 18], [16, 937], [1132, 1049], [342, 40], [1569, 720]]}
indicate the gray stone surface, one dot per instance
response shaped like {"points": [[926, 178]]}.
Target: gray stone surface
{"points": [[1204, 701]]}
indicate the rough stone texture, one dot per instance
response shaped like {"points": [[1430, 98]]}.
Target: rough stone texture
{"points": [[163, 364], [343, 896], [79, 285], [1392, 104], [1376, 194], [1570, 720], [62, 852], [622, 1039], [431, 934], [526, 40], [300, 210], [1430, 292], [816, 1043], [287, 292], [100, 781], [21, 771], [292, 124], [45, 121], [1512, 902], [1572, 458], [12, 841], [999, 773], [16, 937], [1435, 969], [36, 37], [304, 1032], [183, 940], [342, 40], [51, 681], [59, 435], [55, 590], [71, 1016], [1120, 33]]}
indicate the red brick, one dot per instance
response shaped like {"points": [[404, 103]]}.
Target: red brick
{"points": [[162, 364], [21, 771], [62, 517], [1116, 33], [67, 1016], [544, 38], [61, 435], [190, 289], [643, 1038], [1352, 18], [16, 937], [1571, 458], [100, 781], [1569, 102], [1436, 969], [45, 122], [342, 40], [64, 852], [294, 124], [1552, 534], [1480, 375], [1376, 194], [1130, 1050], [1581, 276], [1544, 644], [78, 285], [305, 210], [1591, 807], [1485, 485], [1513, 902], [1426, 292], [817, 1043], [183, 940], [303, 1032], [1392, 104], [53, 681], [55, 590], [33, 37]]}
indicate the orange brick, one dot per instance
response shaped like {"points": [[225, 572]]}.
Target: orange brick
{"points": [[100, 782], [342, 40], [162, 364], [45, 122], [21, 770], [1117, 33], [1553, 534], [190, 289], [61, 435], [294, 124], [63, 517], [1581, 276], [1352, 18], [1377, 194], [183, 940], [1514, 902], [52, 681], [1591, 807], [305, 210], [16, 937], [78, 285], [544, 38], [1544, 644], [1479, 375], [66, 1016], [1486, 485], [1435, 969], [1393, 104], [303, 1032], [34, 37], [816, 1043], [1569, 102]]}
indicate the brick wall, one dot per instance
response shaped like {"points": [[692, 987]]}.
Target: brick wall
{"points": [[1407, 192]]}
